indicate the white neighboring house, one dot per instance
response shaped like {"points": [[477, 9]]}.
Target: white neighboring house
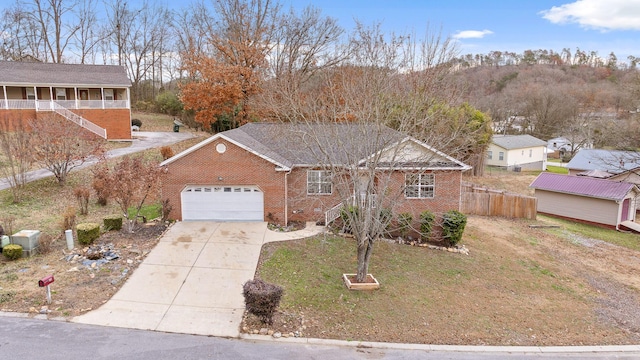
{"points": [[562, 145], [517, 152]]}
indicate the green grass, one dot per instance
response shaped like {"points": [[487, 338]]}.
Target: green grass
{"points": [[150, 211], [628, 240], [557, 169]]}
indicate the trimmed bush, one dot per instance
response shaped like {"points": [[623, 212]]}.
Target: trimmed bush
{"points": [[262, 299], [88, 233], [347, 214], [12, 251], [453, 224], [404, 223], [427, 220], [166, 152], [113, 222]]}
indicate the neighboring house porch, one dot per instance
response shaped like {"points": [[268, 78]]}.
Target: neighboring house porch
{"points": [[95, 97]]}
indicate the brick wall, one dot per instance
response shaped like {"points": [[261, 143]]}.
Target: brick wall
{"points": [[116, 121], [236, 166]]}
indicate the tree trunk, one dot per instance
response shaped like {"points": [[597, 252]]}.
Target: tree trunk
{"points": [[365, 249]]}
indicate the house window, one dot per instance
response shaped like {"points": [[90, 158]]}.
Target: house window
{"points": [[501, 156], [108, 94], [419, 186], [31, 94], [319, 182], [530, 152], [61, 94], [489, 154]]}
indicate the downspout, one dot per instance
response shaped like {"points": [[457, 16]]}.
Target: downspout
{"points": [[286, 198]]}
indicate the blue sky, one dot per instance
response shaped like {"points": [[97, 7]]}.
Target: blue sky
{"points": [[481, 26]]}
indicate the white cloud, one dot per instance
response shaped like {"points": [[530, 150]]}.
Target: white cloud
{"points": [[472, 34], [603, 15]]}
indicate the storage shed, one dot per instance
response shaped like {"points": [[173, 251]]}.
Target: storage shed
{"points": [[591, 200]]}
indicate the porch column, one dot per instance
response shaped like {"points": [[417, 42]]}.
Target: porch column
{"points": [[128, 99], [75, 95], [35, 95], [6, 101], [51, 97], [102, 94]]}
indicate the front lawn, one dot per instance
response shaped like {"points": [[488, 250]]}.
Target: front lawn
{"points": [[509, 291]]}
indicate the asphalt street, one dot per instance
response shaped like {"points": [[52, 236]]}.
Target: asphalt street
{"points": [[27, 338]]}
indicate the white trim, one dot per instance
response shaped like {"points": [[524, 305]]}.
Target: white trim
{"points": [[420, 143], [6, 101]]}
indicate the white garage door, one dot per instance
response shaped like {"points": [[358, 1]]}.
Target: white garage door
{"points": [[222, 203]]}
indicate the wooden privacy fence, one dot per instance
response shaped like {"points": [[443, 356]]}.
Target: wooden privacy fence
{"points": [[482, 201]]}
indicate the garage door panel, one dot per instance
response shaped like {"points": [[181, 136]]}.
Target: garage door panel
{"points": [[229, 203]]}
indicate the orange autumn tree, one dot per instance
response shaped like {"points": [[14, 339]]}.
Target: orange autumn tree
{"points": [[226, 74]]}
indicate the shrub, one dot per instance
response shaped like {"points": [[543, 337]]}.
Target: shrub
{"points": [[82, 193], [347, 214], [136, 122], [45, 243], [427, 220], [88, 233], [100, 183], [166, 152], [168, 103], [262, 299], [113, 222], [404, 223], [68, 218], [453, 224], [12, 251], [166, 209], [8, 222]]}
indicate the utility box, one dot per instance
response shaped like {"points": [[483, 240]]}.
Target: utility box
{"points": [[28, 239]]}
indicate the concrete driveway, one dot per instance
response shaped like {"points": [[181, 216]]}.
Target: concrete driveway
{"points": [[191, 282]]}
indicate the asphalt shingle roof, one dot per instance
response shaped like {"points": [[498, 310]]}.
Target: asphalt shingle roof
{"points": [[581, 185], [611, 161], [509, 142], [289, 145], [36, 73]]}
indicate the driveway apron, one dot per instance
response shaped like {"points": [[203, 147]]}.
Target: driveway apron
{"points": [[191, 282]]}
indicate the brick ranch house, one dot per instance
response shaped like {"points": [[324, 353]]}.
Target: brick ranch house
{"points": [[269, 172], [95, 97]]}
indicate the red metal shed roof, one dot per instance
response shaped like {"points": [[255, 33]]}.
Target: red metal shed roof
{"points": [[581, 185]]}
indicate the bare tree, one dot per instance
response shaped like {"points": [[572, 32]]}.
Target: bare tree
{"points": [[61, 147], [21, 38], [16, 148], [343, 118], [90, 32], [56, 24], [132, 180]]}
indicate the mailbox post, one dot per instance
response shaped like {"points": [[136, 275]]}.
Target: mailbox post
{"points": [[45, 282]]}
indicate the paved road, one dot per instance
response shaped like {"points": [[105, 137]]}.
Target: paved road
{"points": [[23, 338], [142, 141]]}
